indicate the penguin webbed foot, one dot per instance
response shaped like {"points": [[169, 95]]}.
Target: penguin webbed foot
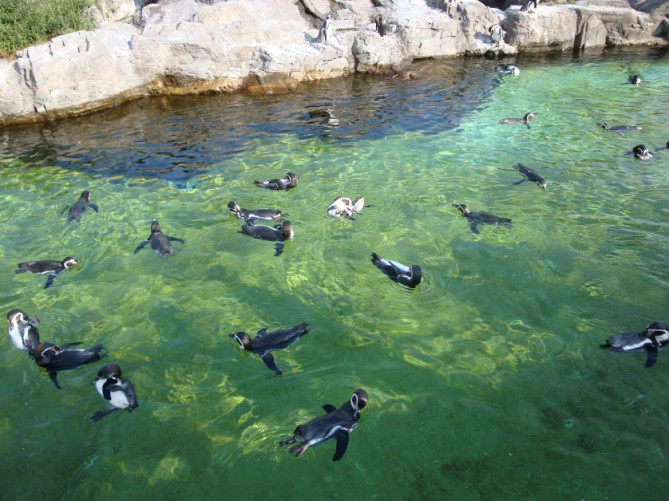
{"points": [[100, 414], [298, 450]]}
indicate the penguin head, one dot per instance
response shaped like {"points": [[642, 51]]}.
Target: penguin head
{"points": [[288, 232], [416, 274], [657, 328], [16, 316], [462, 208], [634, 79], [43, 353], [108, 371], [292, 179], [70, 261], [86, 195], [155, 226], [244, 340], [359, 400], [640, 151], [234, 207], [604, 125], [529, 116]]}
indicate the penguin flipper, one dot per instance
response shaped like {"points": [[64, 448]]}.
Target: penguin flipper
{"points": [[341, 436], [261, 332], [54, 377], [651, 356], [521, 181], [328, 408], [93, 206], [175, 239], [50, 280], [100, 414], [268, 358], [65, 208], [141, 246], [279, 248], [474, 227]]}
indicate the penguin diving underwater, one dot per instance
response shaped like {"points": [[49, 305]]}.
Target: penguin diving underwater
{"points": [[619, 129], [23, 330], [397, 272], [62, 358], [159, 241], [336, 424], [79, 207], [50, 266], [529, 175], [285, 183], [119, 392], [344, 207], [655, 336], [265, 342], [277, 233], [525, 120], [475, 218], [248, 214]]}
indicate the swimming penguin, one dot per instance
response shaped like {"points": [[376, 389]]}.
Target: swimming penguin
{"points": [[52, 267], [337, 424], [344, 207], [530, 175], [285, 183], [278, 233], [475, 218], [655, 336], [54, 358], [324, 30], [23, 330], [159, 241], [248, 214], [79, 207], [634, 79], [619, 129], [641, 152], [509, 69], [119, 392], [525, 120], [397, 272], [265, 342]]}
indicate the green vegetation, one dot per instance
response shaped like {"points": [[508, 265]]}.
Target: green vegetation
{"points": [[27, 22]]}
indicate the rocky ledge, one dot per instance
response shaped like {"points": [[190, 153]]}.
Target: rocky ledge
{"points": [[144, 47]]}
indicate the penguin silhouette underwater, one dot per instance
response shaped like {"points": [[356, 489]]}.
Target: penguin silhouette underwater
{"points": [[653, 337], [79, 207], [159, 241]]}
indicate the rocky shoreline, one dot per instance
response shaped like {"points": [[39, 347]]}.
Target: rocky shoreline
{"points": [[143, 47]]}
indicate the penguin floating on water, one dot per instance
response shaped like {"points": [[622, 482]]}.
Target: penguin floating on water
{"points": [[249, 214], [508, 69], [277, 233], [344, 207], [475, 218], [50, 266], [410, 276], [641, 152], [54, 358], [265, 342], [336, 424], [634, 79], [79, 207], [655, 336], [525, 120], [529, 175], [119, 392], [159, 241], [285, 183], [23, 330], [619, 129]]}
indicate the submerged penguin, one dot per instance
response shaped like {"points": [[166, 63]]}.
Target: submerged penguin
{"points": [[530, 175], [249, 214], [285, 183], [345, 207], [619, 129], [475, 218], [50, 266], [397, 272], [79, 207], [655, 336], [336, 424], [54, 358], [159, 241], [119, 392], [525, 120], [634, 79], [265, 342], [23, 330], [641, 152], [508, 69], [278, 233]]}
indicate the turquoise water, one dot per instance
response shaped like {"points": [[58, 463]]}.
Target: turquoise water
{"points": [[485, 382]]}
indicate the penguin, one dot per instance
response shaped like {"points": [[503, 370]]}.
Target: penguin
{"points": [[397, 272], [655, 336], [119, 392], [634, 79], [619, 129], [526, 5], [525, 120], [324, 30], [265, 342], [508, 69], [641, 152], [344, 207], [285, 183], [475, 218], [248, 214], [277, 233], [337, 424], [381, 25], [79, 207], [23, 330], [530, 175], [159, 241], [52, 267], [497, 35], [62, 358]]}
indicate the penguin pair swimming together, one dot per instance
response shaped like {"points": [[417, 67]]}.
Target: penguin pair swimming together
{"points": [[525, 120], [655, 336], [619, 129], [249, 214], [47, 266], [410, 276], [508, 69], [119, 392], [79, 207], [529, 175], [277, 233], [285, 183], [337, 424], [160, 242], [265, 342], [23, 330], [475, 218], [62, 358], [345, 207]]}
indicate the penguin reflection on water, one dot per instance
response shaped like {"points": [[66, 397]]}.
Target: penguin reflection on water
{"points": [[655, 336], [277, 233], [23, 330], [410, 276], [54, 358], [249, 214], [50, 266], [159, 241], [265, 342], [79, 207], [475, 218], [119, 392], [529, 175], [525, 120], [285, 183], [336, 424]]}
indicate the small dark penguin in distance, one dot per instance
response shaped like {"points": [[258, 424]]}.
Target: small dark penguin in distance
{"points": [[525, 120], [508, 69], [62, 358], [250, 214], [653, 337], [50, 266], [285, 183], [619, 129], [79, 207], [634, 79], [530, 175], [119, 392], [410, 276], [277, 233], [159, 241], [475, 218], [336, 424], [265, 342], [23, 330]]}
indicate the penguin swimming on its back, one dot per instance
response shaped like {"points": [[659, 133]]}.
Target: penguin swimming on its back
{"points": [[285, 183], [54, 358], [345, 207], [397, 272], [50, 266], [655, 336], [475, 218], [159, 241], [529, 175], [265, 342], [525, 120], [23, 330], [508, 69], [79, 207], [278, 233], [337, 424], [249, 214], [119, 392]]}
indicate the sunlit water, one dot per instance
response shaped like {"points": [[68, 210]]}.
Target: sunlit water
{"points": [[485, 382]]}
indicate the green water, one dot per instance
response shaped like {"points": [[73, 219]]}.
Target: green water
{"points": [[485, 382]]}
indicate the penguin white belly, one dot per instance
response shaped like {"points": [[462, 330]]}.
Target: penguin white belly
{"points": [[119, 399], [17, 339]]}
